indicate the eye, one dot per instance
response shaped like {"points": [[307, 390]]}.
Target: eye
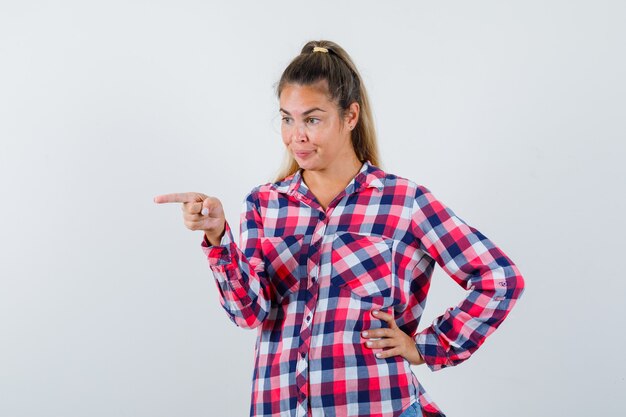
{"points": [[313, 120], [286, 119]]}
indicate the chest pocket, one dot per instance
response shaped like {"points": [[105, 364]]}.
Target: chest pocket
{"points": [[362, 264], [284, 262]]}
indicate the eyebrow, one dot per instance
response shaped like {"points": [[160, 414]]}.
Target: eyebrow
{"points": [[306, 112]]}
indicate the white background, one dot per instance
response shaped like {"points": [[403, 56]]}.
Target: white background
{"points": [[511, 112]]}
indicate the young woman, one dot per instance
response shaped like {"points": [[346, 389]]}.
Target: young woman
{"points": [[335, 260]]}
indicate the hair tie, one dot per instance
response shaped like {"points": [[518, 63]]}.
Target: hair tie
{"points": [[319, 49]]}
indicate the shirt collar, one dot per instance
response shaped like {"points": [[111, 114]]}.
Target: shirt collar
{"points": [[368, 176]]}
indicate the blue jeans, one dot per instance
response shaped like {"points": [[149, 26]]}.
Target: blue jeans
{"points": [[413, 411]]}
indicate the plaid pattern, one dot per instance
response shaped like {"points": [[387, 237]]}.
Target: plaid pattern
{"points": [[307, 280]]}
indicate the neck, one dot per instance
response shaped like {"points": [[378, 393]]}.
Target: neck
{"points": [[336, 176]]}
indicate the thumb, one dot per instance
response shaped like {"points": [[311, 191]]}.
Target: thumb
{"points": [[205, 206]]}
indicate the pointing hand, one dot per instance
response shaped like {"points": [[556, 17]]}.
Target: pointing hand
{"points": [[200, 212]]}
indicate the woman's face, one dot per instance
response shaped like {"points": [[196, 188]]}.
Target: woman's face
{"points": [[312, 129]]}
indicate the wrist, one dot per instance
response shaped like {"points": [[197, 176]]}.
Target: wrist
{"points": [[213, 240], [419, 354]]}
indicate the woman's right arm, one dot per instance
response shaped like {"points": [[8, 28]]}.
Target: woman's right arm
{"points": [[240, 274]]}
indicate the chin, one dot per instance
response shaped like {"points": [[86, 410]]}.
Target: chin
{"points": [[306, 163]]}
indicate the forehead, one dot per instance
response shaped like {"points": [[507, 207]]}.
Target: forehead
{"points": [[299, 97]]}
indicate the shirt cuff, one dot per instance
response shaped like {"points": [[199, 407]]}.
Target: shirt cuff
{"points": [[429, 346], [219, 255]]}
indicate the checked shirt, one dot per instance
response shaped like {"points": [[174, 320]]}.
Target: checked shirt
{"points": [[307, 278]]}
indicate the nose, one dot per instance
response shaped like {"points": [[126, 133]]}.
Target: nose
{"points": [[298, 132]]}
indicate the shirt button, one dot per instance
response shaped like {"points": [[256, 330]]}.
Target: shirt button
{"points": [[303, 354], [308, 318], [313, 279]]}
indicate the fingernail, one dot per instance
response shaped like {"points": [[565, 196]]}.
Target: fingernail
{"points": [[378, 355], [364, 334], [205, 211], [369, 343], [375, 312]]}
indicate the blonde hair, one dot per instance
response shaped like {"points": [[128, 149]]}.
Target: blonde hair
{"points": [[344, 87]]}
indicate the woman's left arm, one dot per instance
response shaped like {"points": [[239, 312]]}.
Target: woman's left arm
{"points": [[493, 282]]}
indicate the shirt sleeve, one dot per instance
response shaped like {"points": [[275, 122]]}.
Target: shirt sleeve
{"points": [[492, 280], [240, 275]]}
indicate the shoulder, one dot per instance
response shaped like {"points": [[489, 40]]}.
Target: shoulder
{"points": [[255, 194], [397, 183], [416, 197], [265, 192]]}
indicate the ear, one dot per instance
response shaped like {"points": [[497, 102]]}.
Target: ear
{"points": [[352, 115]]}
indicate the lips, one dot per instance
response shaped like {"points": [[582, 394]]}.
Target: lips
{"points": [[302, 154]]}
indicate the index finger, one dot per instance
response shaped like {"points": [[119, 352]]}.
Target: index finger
{"points": [[382, 315], [178, 198]]}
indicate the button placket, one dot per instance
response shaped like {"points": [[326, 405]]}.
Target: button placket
{"points": [[308, 316], [305, 329], [316, 242]]}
